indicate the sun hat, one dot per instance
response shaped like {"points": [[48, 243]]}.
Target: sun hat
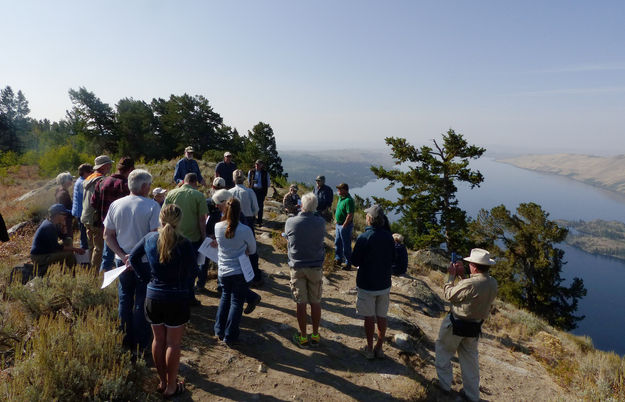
{"points": [[219, 182], [221, 196], [56, 209], [158, 190], [375, 211], [101, 161], [480, 256]]}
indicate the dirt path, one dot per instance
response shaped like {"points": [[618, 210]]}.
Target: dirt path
{"points": [[267, 366]]}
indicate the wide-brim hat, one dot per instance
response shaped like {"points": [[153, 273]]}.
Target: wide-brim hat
{"points": [[101, 161], [480, 256]]}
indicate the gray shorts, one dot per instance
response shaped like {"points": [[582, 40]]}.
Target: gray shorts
{"points": [[368, 305]]}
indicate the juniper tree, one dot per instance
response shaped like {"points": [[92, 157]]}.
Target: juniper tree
{"points": [[426, 180]]}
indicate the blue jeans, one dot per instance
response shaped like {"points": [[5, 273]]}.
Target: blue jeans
{"points": [[131, 292], [233, 292], [343, 243], [108, 258], [84, 242]]}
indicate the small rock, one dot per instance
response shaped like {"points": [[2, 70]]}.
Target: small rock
{"points": [[403, 342], [262, 368], [325, 281]]}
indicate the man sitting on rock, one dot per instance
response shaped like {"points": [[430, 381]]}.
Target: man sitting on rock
{"points": [[46, 248], [470, 302]]}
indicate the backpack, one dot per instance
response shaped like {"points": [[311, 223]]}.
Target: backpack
{"points": [[90, 216]]}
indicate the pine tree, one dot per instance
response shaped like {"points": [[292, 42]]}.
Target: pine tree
{"points": [[261, 144], [427, 191], [530, 266]]}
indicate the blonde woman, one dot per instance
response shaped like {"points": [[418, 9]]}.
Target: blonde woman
{"points": [[170, 260]]}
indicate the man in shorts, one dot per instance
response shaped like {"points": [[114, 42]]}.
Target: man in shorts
{"points": [[373, 255], [304, 233]]}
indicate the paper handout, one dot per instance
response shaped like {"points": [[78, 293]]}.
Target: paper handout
{"points": [[207, 250], [110, 276], [246, 267]]}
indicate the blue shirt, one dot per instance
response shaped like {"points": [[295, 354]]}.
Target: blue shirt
{"points": [[325, 196], [46, 240], [185, 166], [373, 255], [168, 281], [77, 200]]}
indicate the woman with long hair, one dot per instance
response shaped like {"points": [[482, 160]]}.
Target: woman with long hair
{"points": [[233, 240], [168, 272], [64, 180]]}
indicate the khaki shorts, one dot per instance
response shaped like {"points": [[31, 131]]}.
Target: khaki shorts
{"points": [[368, 305], [306, 285]]}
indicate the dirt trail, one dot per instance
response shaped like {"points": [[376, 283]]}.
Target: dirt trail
{"points": [[267, 366]]}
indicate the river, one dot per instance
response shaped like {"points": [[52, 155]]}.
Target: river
{"points": [[563, 198]]}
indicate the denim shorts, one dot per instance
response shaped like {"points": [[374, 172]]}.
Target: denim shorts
{"points": [[171, 313]]}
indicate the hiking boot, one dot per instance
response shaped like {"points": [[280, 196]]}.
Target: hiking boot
{"points": [[300, 341], [367, 353], [378, 353], [314, 340], [251, 306]]}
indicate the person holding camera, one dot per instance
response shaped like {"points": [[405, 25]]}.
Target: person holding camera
{"points": [[470, 299]]}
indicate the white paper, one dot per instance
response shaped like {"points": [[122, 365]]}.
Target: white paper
{"points": [[207, 250], [83, 258], [246, 267], [110, 276], [201, 258]]}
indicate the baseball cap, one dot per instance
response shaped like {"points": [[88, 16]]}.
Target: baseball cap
{"points": [[158, 190], [56, 209]]}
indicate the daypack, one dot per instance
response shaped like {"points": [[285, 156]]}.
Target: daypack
{"points": [[90, 216]]}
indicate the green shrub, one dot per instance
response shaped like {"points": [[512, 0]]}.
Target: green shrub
{"points": [[61, 159], [9, 158]]}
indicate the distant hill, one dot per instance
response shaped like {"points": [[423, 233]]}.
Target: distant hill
{"points": [[604, 172], [347, 165]]}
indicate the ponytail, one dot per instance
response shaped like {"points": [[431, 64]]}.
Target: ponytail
{"points": [[167, 237], [233, 212]]}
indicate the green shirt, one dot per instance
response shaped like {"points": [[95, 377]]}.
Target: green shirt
{"points": [[344, 206], [193, 205]]}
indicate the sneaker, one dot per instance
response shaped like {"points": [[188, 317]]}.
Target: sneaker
{"points": [[251, 306], [300, 341], [314, 340], [367, 353]]}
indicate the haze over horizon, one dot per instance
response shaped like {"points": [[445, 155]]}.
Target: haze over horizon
{"points": [[512, 77]]}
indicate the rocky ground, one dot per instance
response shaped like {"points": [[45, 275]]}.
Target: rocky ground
{"points": [[268, 366]]}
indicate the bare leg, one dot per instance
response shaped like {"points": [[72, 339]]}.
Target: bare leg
{"points": [[382, 324], [159, 345], [369, 330], [172, 357], [302, 318], [315, 315]]}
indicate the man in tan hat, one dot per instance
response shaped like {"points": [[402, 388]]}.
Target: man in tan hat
{"points": [[470, 302], [90, 217], [225, 169], [187, 165], [291, 201]]}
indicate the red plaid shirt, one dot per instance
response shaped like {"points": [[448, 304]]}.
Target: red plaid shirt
{"points": [[107, 191]]}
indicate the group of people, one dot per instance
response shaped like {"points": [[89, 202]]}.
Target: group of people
{"points": [[158, 238]]}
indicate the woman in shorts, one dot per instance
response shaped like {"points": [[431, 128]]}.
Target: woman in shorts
{"points": [[170, 259]]}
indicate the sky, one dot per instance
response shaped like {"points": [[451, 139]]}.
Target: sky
{"points": [[511, 76]]}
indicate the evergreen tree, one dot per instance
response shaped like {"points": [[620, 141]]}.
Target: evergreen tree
{"points": [[261, 144], [135, 127], [14, 123], [94, 120], [529, 268], [425, 181]]}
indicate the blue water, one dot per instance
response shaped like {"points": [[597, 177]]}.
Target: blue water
{"points": [[562, 198]]}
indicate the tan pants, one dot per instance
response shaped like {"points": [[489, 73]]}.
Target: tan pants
{"points": [[42, 261], [446, 346], [95, 237]]}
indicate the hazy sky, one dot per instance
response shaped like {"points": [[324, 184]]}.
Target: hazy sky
{"points": [[526, 76]]}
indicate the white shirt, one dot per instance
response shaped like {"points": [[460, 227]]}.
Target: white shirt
{"points": [[132, 217]]}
